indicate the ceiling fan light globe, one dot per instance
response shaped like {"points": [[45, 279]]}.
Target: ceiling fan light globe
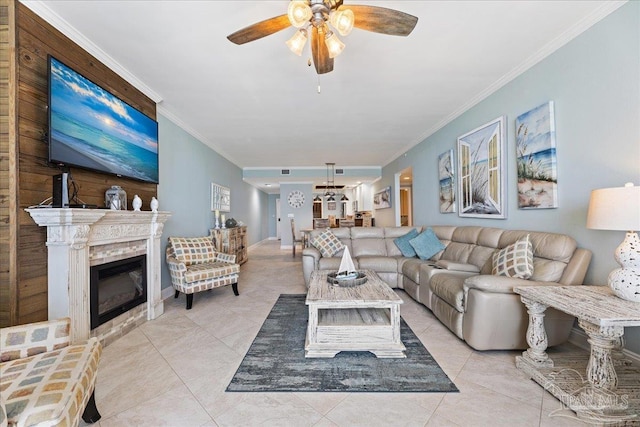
{"points": [[334, 45], [297, 41], [343, 20], [299, 13]]}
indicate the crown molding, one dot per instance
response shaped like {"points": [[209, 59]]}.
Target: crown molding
{"points": [[569, 34], [42, 10]]}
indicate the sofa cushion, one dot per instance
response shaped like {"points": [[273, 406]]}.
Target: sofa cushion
{"points": [[457, 266], [332, 263], [403, 244], [449, 288], [198, 272], [327, 243], [516, 260], [369, 247], [411, 269], [193, 250], [378, 263], [546, 270], [426, 244]]}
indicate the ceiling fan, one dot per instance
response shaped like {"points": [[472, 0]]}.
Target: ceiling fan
{"points": [[313, 17]]}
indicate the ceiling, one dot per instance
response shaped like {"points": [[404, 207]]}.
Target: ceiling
{"points": [[261, 106]]}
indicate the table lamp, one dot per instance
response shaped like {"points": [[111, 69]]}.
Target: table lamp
{"points": [[619, 209]]}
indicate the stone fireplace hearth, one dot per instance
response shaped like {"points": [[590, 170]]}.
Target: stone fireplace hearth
{"points": [[80, 238]]}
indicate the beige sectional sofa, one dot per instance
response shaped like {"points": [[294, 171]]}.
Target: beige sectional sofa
{"points": [[457, 283]]}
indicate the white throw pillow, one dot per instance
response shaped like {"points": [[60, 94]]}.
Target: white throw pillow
{"points": [[515, 260]]}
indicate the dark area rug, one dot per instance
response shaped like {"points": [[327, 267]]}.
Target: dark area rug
{"points": [[275, 361]]}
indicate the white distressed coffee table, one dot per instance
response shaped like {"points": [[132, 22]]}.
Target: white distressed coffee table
{"points": [[359, 318]]}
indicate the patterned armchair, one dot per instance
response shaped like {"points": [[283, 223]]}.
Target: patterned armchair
{"points": [[44, 380], [195, 266]]}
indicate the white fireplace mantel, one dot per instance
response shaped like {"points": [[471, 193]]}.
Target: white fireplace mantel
{"points": [[70, 235]]}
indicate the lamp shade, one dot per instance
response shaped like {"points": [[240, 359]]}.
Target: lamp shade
{"points": [[297, 42], [334, 45], [615, 208], [299, 13], [343, 20]]}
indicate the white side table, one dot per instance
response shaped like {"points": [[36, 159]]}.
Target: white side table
{"points": [[611, 391]]}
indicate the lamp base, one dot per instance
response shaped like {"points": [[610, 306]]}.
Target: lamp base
{"points": [[625, 281]]}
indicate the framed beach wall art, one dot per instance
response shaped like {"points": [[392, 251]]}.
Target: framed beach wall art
{"points": [[382, 199], [536, 158], [220, 198], [446, 180], [481, 171]]}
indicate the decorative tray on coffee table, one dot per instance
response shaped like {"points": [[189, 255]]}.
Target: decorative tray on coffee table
{"points": [[355, 278]]}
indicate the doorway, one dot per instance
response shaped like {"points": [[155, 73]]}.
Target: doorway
{"points": [[405, 184], [278, 219]]}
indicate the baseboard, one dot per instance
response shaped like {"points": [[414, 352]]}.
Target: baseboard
{"points": [[579, 338], [167, 293]]}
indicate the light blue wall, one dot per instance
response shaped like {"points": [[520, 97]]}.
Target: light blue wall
{"points": [[594, 81], [187, 169], [303, 215]]}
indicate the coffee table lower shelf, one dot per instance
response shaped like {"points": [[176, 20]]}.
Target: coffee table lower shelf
{"points": [[332, 330]]}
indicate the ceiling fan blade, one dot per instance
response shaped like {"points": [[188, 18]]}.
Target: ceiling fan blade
{"points": [[320, 53], [260, 29], [383, 20]]}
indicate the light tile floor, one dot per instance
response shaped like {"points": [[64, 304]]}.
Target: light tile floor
{"points": [[173, 371]]}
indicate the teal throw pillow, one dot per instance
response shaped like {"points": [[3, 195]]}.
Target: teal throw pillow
{"points": [[426, 244], [403, 244]]}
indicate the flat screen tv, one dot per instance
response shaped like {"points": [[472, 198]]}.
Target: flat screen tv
{"points": [[92, 129]]}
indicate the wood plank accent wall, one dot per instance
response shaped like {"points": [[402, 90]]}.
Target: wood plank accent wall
{"points": [[7, 142], [35, 39]]}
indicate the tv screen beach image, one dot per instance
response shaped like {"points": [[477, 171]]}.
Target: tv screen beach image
{"points": [[91, 128]]}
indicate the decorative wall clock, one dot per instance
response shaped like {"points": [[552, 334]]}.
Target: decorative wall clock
{"points": [[295, 199]]}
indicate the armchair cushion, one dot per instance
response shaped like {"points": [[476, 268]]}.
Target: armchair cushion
{"points": [[50, 387], [327, 243], [211, 270], [426, 244], [515, 260], [43, 379], [404, 245], [193, 250]]}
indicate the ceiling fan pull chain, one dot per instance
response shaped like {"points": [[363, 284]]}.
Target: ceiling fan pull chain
{"points": [[318, 83]]}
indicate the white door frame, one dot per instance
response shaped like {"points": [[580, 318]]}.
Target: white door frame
{"points": [[278, 218]]}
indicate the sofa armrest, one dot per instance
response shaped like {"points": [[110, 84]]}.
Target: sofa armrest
{"points": [[229, 258], [17, 342], [310, 258], [500, 284]]}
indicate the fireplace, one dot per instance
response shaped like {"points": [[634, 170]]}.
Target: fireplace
{"points": [[117, 287], [79, 239]]}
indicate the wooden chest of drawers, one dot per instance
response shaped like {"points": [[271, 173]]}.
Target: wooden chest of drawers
{"points": [[231, 241]]}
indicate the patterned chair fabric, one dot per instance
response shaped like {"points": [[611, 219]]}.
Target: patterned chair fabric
{"points": [[195, 266], [44, 380]]}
